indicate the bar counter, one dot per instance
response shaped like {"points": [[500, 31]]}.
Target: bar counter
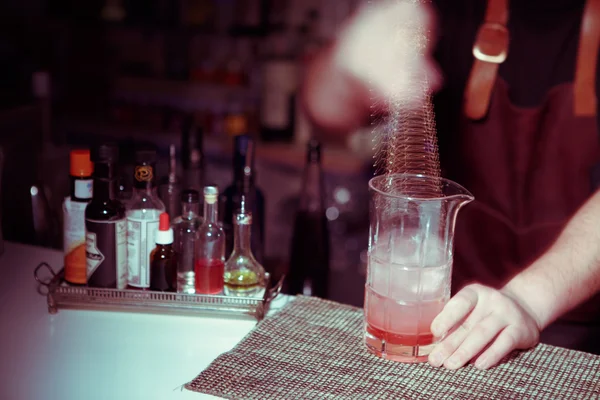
{"points": [[95, 354]]}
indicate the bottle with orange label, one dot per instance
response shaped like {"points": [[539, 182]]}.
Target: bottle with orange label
{"points": [[74, 216]]}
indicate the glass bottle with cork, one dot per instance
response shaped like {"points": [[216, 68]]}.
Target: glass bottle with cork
{"points": [[143, 214], [163, 259], [210, 247], [244, 276], [105, 224], [309, 261], [186, 228], [74, 216]]}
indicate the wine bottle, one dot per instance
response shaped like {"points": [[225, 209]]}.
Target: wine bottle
{"points": [[309, 263]]}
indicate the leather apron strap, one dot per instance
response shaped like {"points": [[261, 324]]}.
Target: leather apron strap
{"points": [[585, 101], [490, 50]]}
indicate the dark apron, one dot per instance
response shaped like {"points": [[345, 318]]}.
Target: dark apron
{"points": [[530, 171]]}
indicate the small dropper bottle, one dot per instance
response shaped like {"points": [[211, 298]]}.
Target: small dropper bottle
{"points": [[163, 259]]}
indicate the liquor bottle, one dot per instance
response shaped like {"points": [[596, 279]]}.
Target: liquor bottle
{"points": [[105, 224], [186, 232], [169, 190], [309, 263], [74, 216], [192, 148], [244, 178], [163, 259], [244, 276], [143, 211], [210, 247]]}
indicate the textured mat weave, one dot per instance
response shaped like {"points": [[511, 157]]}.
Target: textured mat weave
{"points": [[313, 349]]}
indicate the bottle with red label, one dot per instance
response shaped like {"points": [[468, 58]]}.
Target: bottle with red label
{"points": [[210, 247]]}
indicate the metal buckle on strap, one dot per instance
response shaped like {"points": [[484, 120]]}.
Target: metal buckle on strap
{"points": [[491, 44]]}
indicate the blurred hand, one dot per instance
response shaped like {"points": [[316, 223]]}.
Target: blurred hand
{"points": [[481, 324], [387, 46]]}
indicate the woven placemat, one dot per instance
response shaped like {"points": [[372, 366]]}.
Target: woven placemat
{"points": [[313, 349]]}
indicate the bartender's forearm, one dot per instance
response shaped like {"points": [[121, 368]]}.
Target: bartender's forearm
{"points": [[568, 273]]}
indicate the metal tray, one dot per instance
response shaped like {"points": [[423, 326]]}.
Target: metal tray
{"points": [[61, 295]]}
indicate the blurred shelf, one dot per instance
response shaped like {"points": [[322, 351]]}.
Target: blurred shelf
{"points": [[336, 159], [183, 95]]}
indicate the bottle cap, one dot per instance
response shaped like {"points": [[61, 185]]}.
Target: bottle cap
{"points": [[105, 153], [190, 196], [211, 194], [81, 164], [165, 233]]}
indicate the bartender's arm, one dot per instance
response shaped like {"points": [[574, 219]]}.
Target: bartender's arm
{"points": [[496, 322], [366, 65]]}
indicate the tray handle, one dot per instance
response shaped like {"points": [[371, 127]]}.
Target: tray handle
{"points": [[36, 274]]}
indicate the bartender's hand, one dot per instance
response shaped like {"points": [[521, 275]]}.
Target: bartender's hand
{"points": [[381, 55], [482, 325]]}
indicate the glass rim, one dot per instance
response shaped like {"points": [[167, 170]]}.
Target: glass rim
{"points": [[461, 191]]}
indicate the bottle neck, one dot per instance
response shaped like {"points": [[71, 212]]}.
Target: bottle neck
{"points": [[241, 237], [148, 191], [105, 181], [312, 197], [189, 210], [211, 212]]}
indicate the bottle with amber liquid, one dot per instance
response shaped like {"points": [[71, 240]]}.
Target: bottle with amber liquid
{"points": [[163, 259], [210, 247], [74, 217], [244, 276]]}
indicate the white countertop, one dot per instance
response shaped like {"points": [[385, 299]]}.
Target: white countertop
{"points": [[95, 354]]}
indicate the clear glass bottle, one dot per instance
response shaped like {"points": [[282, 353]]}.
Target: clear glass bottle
{"points": [[186, 228], [143, 214], [210, 247], [244, 276]]}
